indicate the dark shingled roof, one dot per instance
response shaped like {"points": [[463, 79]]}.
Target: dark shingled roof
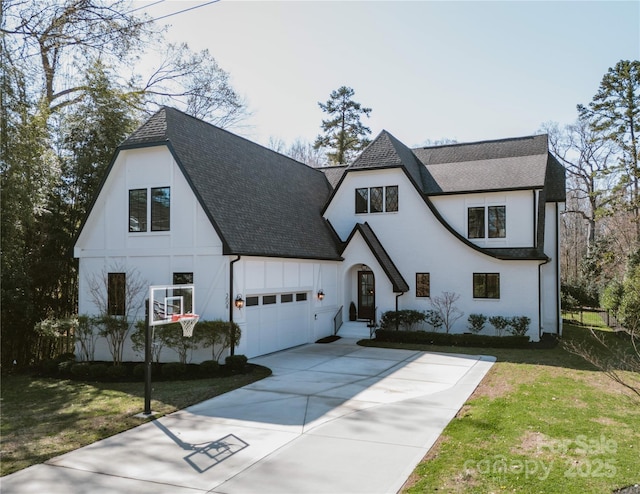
{"points": [[333, 173], [506, 164], [260, 202], [390, 269]]}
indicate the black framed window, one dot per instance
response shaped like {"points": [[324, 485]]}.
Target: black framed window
{"points": [[160, 209], [362, 200], [183, 278], [251, 301], [138, 210], [286, 297], [116, 294], [475, 222], [423, 285], [268, 299], [376, 200], [301, 297], [391, 198], [497, 221], [486, 285]]}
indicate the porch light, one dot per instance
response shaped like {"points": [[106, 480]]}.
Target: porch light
{"points": [[239, 302], [320, 294]]}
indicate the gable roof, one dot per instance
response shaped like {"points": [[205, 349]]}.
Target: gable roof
{"points": [[505, 164], [260, 202], [390, 269]]}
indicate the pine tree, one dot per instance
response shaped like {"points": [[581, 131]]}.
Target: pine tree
{"points": [[344, 134]]}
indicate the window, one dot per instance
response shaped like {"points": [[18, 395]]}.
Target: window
{"points": [[497, 222], [423, 285], [391, 198], [301, 297], [160, 209], [183, 278], [251, 301], [286, 297], [116, 291], [138, 210], [268, 299], [377, 199], [486, 285], [362, 200], [487, 222]]}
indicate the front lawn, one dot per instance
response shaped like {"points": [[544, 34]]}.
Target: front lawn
{"points": [[44, 417], [540, 421]]}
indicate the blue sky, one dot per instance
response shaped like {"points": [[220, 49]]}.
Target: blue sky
{"points": [[462, 70]]}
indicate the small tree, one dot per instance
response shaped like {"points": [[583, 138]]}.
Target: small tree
{"points": [[445, 306], [476, 322], [118, 311], [500, 323], [217, 335], [434, 319], [138, 338], [171, 336], [86, 338], [519, 325]]}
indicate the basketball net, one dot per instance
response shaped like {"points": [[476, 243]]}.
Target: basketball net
{"points": [[187, 321]]}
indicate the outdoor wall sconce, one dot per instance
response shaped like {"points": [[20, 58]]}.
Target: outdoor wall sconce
{"points": [[239, 302], [320, 294]]}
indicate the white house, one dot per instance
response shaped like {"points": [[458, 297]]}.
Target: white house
{"points": [[185, 201]]}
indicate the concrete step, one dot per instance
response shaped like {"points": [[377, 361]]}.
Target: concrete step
{"points": [[354, 329]]}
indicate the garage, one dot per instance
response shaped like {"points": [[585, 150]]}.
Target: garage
{"points": [[275, 321]]}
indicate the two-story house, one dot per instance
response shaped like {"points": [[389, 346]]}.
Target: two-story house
{"points": [[185, 201]]}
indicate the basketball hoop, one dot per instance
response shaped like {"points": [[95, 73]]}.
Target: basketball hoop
{"points": [[187, 321]]}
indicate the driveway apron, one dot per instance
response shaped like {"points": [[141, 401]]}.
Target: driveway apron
{"points": [[333, 418]]}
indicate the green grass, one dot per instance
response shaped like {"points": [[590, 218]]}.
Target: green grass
{"points": [[42, 417], [541, 421], [586, 318]]}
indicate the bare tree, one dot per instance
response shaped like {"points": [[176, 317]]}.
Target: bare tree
{"points": [[445, 307], [118, 305]]}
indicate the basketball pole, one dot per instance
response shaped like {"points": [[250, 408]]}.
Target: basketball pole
{"points": [[147, 363]]}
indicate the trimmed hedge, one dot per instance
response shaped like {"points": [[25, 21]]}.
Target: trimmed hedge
{"points": [[449, 339]]}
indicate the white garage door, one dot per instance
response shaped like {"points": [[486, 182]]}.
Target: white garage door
{"points": [[276, 321]]}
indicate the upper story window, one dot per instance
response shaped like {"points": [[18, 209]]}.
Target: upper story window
{"points": [[157, 213], [487, 222], [377, 199]]}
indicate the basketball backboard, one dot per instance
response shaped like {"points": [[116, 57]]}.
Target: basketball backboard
{"points": [[168, 302]]}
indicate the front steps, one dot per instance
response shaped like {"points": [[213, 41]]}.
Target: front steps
{"points": [[354, 329]]}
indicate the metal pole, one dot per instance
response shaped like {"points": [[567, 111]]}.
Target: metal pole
{"points": [[147, 362]]}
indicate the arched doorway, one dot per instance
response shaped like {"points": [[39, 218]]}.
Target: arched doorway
{"points": [[366, 294]]}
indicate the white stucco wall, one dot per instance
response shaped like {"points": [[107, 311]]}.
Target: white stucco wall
{"points": [[418, 243]]}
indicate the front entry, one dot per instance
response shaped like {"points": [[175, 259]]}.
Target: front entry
{"points": [[366, 295]]}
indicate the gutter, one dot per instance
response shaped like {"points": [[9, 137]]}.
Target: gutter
{"points": [[233, 342], [397, 321], [540, 297]]}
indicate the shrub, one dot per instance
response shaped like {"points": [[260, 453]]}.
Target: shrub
{"points": [[236, 363], [476, 322], [64, 368], [405, 319], [519, 325], [174, 370], [116, 372], [500, 323], [138, 371], [209, 367], [98, 371], [434, 319], [80, 370], [49, 367], [448, 339]]}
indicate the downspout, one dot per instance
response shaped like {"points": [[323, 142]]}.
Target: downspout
{"points": [[397, 316], [558, 308], [233, 342], [540, 298]]}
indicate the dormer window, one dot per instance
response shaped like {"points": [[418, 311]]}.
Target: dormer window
{"points": [[377, 199], [150, 206], [487, 222]]}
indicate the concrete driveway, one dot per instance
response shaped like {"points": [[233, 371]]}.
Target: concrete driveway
{"points": [[333, 418]]}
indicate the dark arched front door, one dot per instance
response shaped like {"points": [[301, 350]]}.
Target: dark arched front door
{"points": [[366, 295]]}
